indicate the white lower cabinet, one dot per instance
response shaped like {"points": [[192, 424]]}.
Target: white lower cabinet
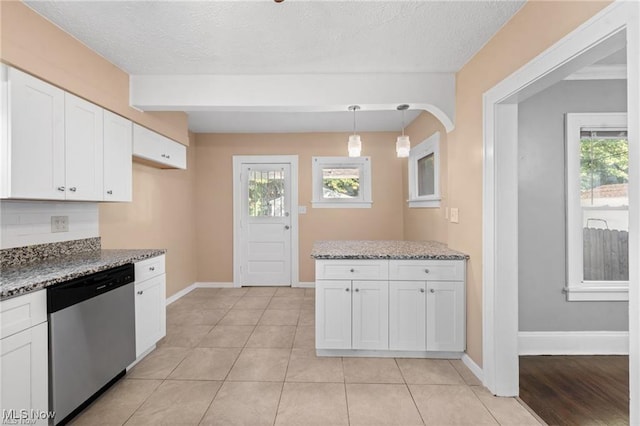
{"points": [[333, 314], [445, 316], [150, 303], [400, 311], [370, 315], [407, 316], [24, 360], [352, 314]]}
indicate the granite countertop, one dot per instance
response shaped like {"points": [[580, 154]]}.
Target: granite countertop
{"points": [[384, 249], [23, 278]]}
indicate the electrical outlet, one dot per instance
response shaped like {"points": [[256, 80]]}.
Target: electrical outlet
{"points": [[59, 223], [453, 213]]}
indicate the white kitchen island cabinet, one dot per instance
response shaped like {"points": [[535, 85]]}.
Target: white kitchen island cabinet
{"points": [[389, 298]]}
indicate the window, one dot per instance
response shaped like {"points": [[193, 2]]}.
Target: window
{"points": [[341, 182], [597, 207], [424, 173], [266, 193]]}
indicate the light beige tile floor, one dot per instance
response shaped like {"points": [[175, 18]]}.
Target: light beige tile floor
{"points": [[246, 357]]}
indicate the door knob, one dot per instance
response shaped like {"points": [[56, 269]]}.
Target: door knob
{"points": [[286, 214], [286, 227]]}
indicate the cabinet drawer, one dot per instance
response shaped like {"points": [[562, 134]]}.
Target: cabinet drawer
{"points": [[22, 312], [149, 268], [426, 270], [352, 269]]}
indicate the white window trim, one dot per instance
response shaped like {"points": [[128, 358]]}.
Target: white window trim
{"points": [[362, 163], [431, 145], [577, 289]]}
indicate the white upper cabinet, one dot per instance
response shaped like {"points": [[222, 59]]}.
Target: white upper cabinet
{"points": [[32, 161], [117, 157], [83, 149], [158, 150]]}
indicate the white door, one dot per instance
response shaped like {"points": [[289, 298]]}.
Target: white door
{"points": [[117, 157], [265, 224], [83, 149], [407, 320], [370, 321], [445, 316]]}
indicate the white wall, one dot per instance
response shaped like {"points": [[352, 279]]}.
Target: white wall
{"points": [[24, 223], [542, 209]]}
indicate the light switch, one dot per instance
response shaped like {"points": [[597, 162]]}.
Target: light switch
{"points": [[302, 209], [453, 213]]}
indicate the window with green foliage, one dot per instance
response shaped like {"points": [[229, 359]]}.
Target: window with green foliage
{"points": [[342, 182], [597, 206]]}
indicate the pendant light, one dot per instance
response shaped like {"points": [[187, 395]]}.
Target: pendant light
{"points": [[355, 145], [403, 144]]}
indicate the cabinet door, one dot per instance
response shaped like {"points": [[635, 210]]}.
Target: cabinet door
{"points": [[117, 157], [175, 154], [407, 315], [370, 315], [34, 165], [333, 314], [24, 367], [83, 149], [445, 316], [150, 313]]}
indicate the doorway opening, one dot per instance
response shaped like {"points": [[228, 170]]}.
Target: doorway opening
{"points": [[613, 28], [265, 220]]}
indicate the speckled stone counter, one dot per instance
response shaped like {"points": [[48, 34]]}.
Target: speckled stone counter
{"points": [[384, 249], [23, 278]]}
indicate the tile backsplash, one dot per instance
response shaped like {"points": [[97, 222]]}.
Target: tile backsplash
{"points": [[25, 223]]}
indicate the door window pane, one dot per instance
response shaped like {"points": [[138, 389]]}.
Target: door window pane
{"points": [[266, 193], [604, 199], [426, 175], [340, 182]]}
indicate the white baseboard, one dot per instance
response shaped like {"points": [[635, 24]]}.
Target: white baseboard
{"points": [[195, 285], [305, 284], [573, 343], [475, 368], [213, 284]]}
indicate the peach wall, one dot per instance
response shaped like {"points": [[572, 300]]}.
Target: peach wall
{"points": [[160, 216], [30, 42], [214, 194], [537, 26], [426, 223]]}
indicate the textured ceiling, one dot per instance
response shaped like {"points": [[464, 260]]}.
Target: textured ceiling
{"points": [[263, 37], [296, 36]]}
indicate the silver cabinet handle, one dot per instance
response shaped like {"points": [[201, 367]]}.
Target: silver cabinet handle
{"points": [[431, 290], [73, 189], [422, 290], [61, 188], [357, 290], [286, 227], [346, 289], [162, 155], [352, 270], [168, 156], [286, 214], [152, 268], [140, 292], [426, 271], [109, 192]]}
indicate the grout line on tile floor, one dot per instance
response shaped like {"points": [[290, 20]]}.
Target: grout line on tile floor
{"points": [[413, 399]]}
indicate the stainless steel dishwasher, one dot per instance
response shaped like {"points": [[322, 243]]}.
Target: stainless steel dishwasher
{"points": [[91, 337]]}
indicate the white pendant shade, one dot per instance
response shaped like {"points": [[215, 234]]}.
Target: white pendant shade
{"points": [[403, 146], [355, 146]]}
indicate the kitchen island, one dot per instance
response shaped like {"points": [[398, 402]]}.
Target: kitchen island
{"points": [[389, 298]]}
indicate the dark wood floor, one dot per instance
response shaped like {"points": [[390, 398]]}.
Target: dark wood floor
{"points": [[577, 390]]}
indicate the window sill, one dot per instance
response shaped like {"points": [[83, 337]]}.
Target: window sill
{"points": [[597, 293], [334, 205], [424, 204]]}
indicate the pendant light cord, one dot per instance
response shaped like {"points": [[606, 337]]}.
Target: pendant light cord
{"points": [[402, 122], [354, 121]]}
